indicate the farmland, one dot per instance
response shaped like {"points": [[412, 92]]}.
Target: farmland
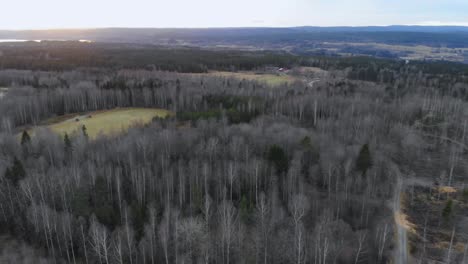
{"points": [[267, 78], [108, 122]]}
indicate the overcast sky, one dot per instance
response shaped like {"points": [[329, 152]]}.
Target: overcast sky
{"points": [[31, 14]]}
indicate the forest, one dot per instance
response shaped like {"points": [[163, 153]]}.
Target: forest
{"points": [[366, 165], [434, 36]]}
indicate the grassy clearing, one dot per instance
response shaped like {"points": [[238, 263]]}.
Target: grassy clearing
{"points": [[109, 122], [268, 78], [304, 70]]}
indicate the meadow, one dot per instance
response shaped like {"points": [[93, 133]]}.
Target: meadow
{"points": [[107, 122], [268, 78]]}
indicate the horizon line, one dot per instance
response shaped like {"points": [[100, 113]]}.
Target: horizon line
{"points": [[234, 27]]}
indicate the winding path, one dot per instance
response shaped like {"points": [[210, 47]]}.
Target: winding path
{"points": [[401, 254], [312, 82]]}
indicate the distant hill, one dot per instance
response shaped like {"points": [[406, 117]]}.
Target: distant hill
{"points": [[442, 43], [396, 28], [451, 36]]}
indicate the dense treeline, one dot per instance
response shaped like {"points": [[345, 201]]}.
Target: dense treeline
{"points": [[53, 56], [243, 173], [301, 38], [400, 76]]}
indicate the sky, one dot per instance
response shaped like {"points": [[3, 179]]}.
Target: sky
{"points": [[48, 14]]}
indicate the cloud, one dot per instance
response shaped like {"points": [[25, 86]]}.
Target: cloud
{"points": [[258, 21], [442, 23]]}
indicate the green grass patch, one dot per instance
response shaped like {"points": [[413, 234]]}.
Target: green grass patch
{"points": [[107, 122], [268, 78]]}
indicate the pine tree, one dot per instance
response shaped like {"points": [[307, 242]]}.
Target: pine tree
{"points": [[306, 142], [447, 209], [80, 202], [102, 203], [277, 155], [245, 209], [85, 131], [364, 160], [8, 174], [67, 142], [25, 138], [16, 172]]}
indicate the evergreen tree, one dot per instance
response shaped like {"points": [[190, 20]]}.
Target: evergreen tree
{"points": [[85, 131], [306, 142], [364, 160], [447, 209], [310, 155], [277, 155], [80, 203], [67, 142], [25, 138], [245, 209], [8, 174], [138, 218], [102, 203], [16, 172]]}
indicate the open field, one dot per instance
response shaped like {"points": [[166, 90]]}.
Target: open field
{"points": [[268, 78], [106, 122], [409, 52]]}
